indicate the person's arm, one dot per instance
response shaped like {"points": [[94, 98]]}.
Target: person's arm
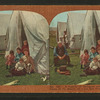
{"points": [[55, 53], [15, 57], [16, 66], [63, 56], [22, 55], [65, 53], [90, 56], [91, 64]]}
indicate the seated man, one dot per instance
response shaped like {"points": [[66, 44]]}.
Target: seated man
{"points": [[60, 54]]}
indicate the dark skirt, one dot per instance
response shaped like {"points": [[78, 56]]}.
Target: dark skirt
{"points": [[17, 73], [64, 61], [88, 71]]}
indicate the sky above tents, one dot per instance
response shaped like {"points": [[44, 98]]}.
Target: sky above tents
{"points": [[6, 12], [62, 17]]}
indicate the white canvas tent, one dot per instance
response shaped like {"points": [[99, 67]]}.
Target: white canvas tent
{"points": [[74, 26], [61, 28], [4, 22], [33, 27], [91, 30]]}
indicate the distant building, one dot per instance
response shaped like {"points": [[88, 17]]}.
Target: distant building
{"points": [[53, 30]]}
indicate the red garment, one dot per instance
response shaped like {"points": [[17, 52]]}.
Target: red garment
{"points": [[97, 47], [25, 47], [84, 59], [10, 59]]}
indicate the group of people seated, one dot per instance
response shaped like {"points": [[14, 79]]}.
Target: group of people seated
{"points": [[91, 62], [20, 64]]}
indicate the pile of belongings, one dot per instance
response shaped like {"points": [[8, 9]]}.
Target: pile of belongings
{"points": [[62, 70]]}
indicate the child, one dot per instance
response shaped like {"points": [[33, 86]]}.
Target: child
{"points": [[20, 65], [25, 46], [19, 54], [94, 64], [10, 59], [18, 70], [93, 54], [84, 58], [98, 46]]}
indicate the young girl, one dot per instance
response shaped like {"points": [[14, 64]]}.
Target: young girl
{"points": [[25, 46], [10, 59], [84, 58]]}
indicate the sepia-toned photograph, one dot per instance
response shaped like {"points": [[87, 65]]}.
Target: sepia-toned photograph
{"points": [[24, 48], [75, 48]]}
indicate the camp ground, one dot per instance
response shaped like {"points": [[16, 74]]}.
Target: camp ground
{"points": [[75, 22], [88, 36], [34, 28], [90, 30], [4, 22]]}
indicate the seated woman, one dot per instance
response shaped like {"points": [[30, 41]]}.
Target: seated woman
{"points": [[84, 58], [19, 54], [25, 46], [28, 61], [18, 70], [61, 55], [93, 69], [10, 59]]}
